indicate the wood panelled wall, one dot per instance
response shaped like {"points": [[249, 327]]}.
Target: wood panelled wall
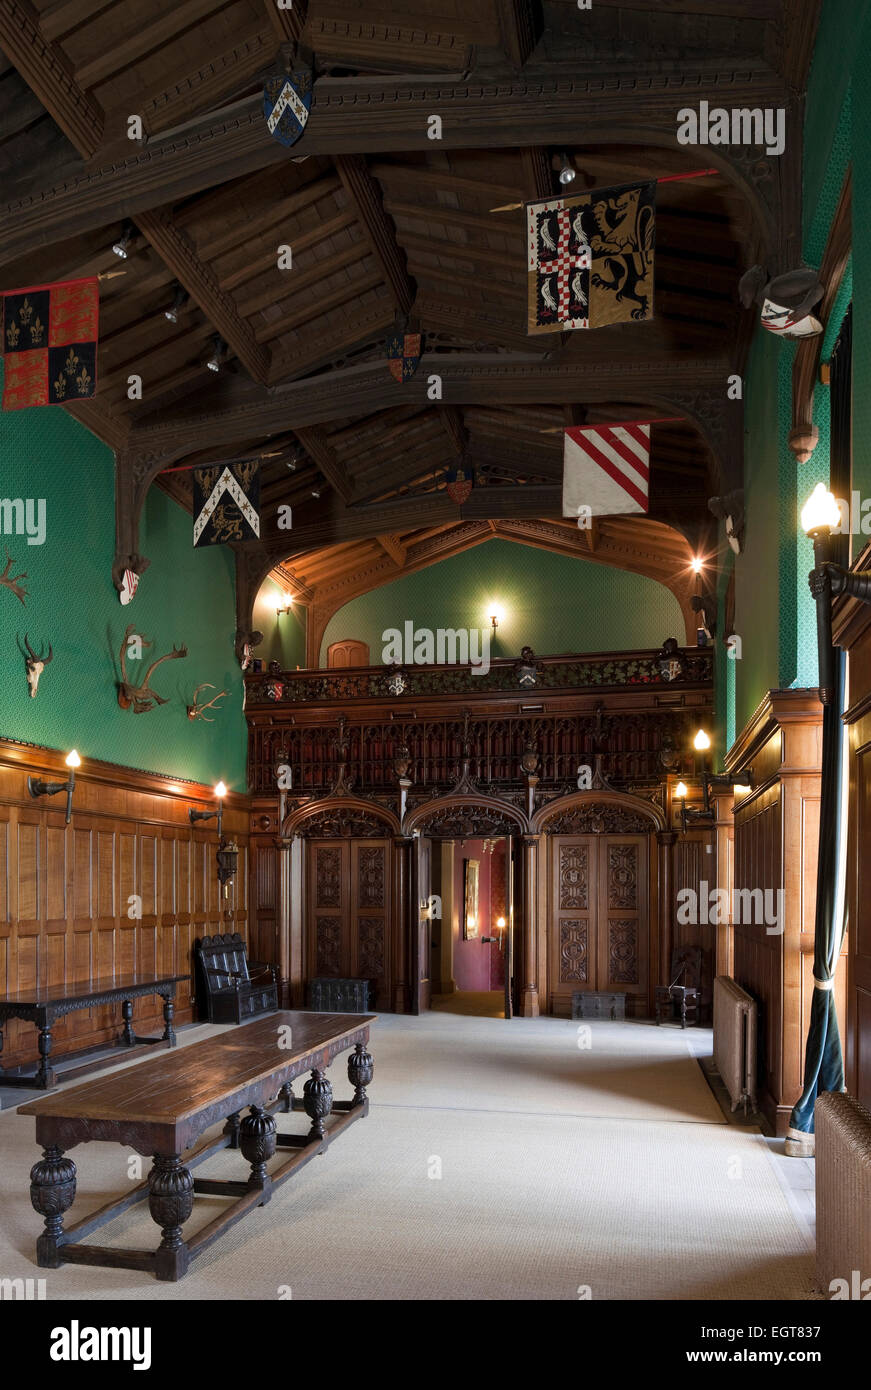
{"points": [[852, 628], [775, 848], [68, 892]]}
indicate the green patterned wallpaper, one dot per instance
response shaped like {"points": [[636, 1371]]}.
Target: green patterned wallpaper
{"points": [[186, 596], [551, 602], [780, 633]]}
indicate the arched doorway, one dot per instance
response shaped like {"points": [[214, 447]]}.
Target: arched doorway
{"points": [[442, 825], [599, 867]]}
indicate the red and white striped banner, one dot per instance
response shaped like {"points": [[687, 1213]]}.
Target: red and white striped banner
{"points": [[606, 469]]}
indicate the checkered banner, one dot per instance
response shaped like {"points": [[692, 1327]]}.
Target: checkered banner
{"points": [[590, 258], [50, 343]]}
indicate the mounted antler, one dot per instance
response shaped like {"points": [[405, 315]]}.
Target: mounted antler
{"points": [[195, 710], [35, 666], [10, 581], [141, 696]]}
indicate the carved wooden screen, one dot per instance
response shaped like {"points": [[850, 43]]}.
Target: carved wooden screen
{"points": [[598, 926], [349, 911]]}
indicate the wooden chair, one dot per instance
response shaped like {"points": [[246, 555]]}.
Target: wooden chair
{"points": [[683, 995], [232, 993]]}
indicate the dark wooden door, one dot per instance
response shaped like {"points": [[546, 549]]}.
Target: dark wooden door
{"points": [[348, 918], [598, 918]]}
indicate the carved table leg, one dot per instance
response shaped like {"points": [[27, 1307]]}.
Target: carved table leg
{"points": [[317, 1102], [361, 1069], [170, 1201], [257, 1142], [286, 1096], [232, 1128], [52, 1192], [44, 1074], [128, 1037], [168, 1015]]}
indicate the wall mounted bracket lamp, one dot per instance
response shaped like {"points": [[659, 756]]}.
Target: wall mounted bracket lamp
{"points": [[820, 517], [220, 793], [38, 786], [706, 813]]}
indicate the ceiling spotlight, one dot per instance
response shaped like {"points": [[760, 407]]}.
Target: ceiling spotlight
{"points": [[568, 173], [120, 246], [316, 492], [177, 305], [219, 348]]}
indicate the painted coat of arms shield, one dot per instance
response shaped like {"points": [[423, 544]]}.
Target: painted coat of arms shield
{"points": [[403, 355], [287, 99]]}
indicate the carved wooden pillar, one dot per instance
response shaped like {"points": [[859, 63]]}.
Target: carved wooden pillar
{"points": [[404, 845], [283, 847], [665, 839], [529, 1007]]}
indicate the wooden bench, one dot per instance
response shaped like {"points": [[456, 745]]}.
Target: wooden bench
{"points": [[160, 1108], [43, 1006]]}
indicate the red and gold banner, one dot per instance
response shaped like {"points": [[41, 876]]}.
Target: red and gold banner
{"points": [[50, 343]]}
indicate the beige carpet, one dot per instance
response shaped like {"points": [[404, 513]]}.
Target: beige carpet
{"points": [[535, 1199], [631, 1071]]}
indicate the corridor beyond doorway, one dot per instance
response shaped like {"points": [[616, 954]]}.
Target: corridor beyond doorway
{"points": [[482, 1003]]}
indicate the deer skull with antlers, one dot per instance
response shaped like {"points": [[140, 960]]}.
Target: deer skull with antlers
{"points": [[35, 665], [195, 709], [141, 696]]}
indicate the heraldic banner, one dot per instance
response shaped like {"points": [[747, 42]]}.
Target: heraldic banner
{"points": [[227, 503], [50, 343], [590, 258]]}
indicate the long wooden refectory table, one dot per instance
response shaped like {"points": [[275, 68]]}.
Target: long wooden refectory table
{"points": [[162, 1107]]}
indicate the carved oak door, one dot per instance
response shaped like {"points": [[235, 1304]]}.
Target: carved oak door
{"points": [[572, 963], [623, 925], [329, 938], [598, 920], [348, 918], [370, 903]]}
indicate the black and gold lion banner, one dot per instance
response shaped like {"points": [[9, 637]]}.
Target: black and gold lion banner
{"points": [[590, 258], [227, 503]]}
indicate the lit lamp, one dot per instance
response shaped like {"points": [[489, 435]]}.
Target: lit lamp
{"points": [[497, 614], [220, 793], [706, 812], [37, 786], [820, 516], [500, 927], [283, 604]]}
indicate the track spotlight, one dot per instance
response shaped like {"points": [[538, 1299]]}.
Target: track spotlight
{"points": [[177, 305], [219, 348], [120, 247], [568, 173]]}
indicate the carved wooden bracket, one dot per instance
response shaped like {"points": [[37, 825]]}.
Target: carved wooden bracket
{"points": [[804, 435]]}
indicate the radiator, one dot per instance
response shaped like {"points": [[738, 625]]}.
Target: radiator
{"points": [[735, 1041], [843, 1181]]}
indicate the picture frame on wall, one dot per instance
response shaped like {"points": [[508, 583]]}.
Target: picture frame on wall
{"points": [[471, 916]]}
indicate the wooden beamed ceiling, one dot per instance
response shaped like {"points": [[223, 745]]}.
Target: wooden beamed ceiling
{"points": [[383, 221]]}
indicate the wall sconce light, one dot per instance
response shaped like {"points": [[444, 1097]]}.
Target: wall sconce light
{"points": [[820, 516], [496, 614], [706, 812], [220, 793], [500, 927], [37, 786], [283, 604], [701, 742]]}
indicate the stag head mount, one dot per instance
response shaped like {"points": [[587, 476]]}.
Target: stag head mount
{"points": [[196, 710], [141, 697], [35, 665]]}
